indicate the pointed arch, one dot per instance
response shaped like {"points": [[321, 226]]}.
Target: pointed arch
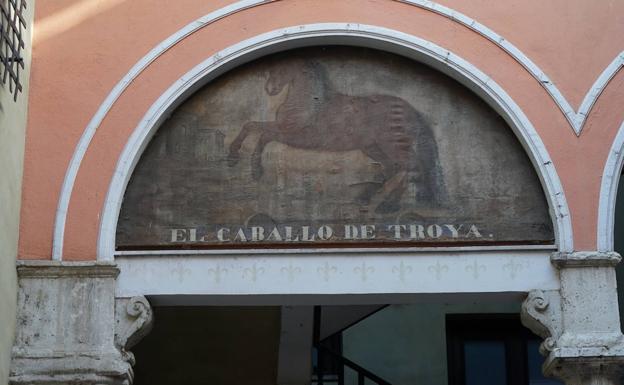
{"points": [[608, 192]]}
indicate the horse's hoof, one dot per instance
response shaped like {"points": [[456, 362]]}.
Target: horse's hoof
{"points": [[256, 173], [232, 160], [387, 207], [363, 198]]}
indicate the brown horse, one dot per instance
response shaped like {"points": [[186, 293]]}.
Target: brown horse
{"points": [[316, 117]]}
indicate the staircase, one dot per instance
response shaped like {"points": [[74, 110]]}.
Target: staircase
{"points": [[328, 362]]}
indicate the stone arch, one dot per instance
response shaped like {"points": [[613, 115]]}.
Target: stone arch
{"points": [[338, 33], [608, 192]]}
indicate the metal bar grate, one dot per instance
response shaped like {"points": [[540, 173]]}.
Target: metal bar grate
{"points": [[12, 23]]}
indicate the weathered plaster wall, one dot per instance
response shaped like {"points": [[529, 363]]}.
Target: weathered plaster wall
{"points": [[573, 43], [12, 132]]}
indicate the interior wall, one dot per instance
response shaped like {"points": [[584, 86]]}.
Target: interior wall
{"points": [[12, 134], [210, 345], [406, 344]]}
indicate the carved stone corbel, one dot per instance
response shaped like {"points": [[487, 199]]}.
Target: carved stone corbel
{"points": [[541, 313], [133, 320]]}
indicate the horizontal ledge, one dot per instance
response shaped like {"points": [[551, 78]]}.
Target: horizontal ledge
{"points": [[26, 269], [338, 251], [585, 259]]}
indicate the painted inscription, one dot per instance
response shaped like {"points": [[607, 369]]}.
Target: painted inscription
{"points": [[350, 232], [333, 146]]}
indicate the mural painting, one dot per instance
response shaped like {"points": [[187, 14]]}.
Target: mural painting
{"points": [[333, 147]]}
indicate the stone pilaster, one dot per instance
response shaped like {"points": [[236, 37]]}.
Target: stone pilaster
{"points": [[580, 322], [70, 327]]}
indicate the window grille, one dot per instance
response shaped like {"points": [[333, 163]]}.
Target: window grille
{"points": [[11, 43]]}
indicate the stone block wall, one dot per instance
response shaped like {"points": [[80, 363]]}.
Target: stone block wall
{"points": [[12, 136]]}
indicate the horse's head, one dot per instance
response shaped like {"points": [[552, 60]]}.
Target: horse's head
{"points": [[278, 78], [283, 72]]}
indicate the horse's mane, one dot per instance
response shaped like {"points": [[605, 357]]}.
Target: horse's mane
{"points": [[320, 84]]}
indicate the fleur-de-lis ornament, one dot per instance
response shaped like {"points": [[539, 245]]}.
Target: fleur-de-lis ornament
{"points": [[402, 270], [363, 271], [181, 272], [438, 269], [326, 271], [475, 269], [253, 272], [291, 271], [217, 272], [513, 267]]}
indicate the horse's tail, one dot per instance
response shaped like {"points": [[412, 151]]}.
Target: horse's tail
{"points": [[425, 158]]}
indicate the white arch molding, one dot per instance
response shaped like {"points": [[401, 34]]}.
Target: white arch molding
{"points": [[608, 192], [335, 33], [575, 118]]}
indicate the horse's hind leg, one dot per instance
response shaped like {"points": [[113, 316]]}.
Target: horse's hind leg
{"points": [[387, 167], [374, 152], [390, 202], [394, 182]]}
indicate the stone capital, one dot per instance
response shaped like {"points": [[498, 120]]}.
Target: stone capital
{"points": [[70, 327], [579, 322]]}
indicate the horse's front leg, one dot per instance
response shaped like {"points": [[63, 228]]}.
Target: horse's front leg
{"points": [[256, 158], [235, 146]]}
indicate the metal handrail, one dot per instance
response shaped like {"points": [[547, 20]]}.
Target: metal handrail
{"points": [[343, 361]]}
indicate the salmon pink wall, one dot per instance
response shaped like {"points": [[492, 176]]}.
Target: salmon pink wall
{"points": [[83, 49]]}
